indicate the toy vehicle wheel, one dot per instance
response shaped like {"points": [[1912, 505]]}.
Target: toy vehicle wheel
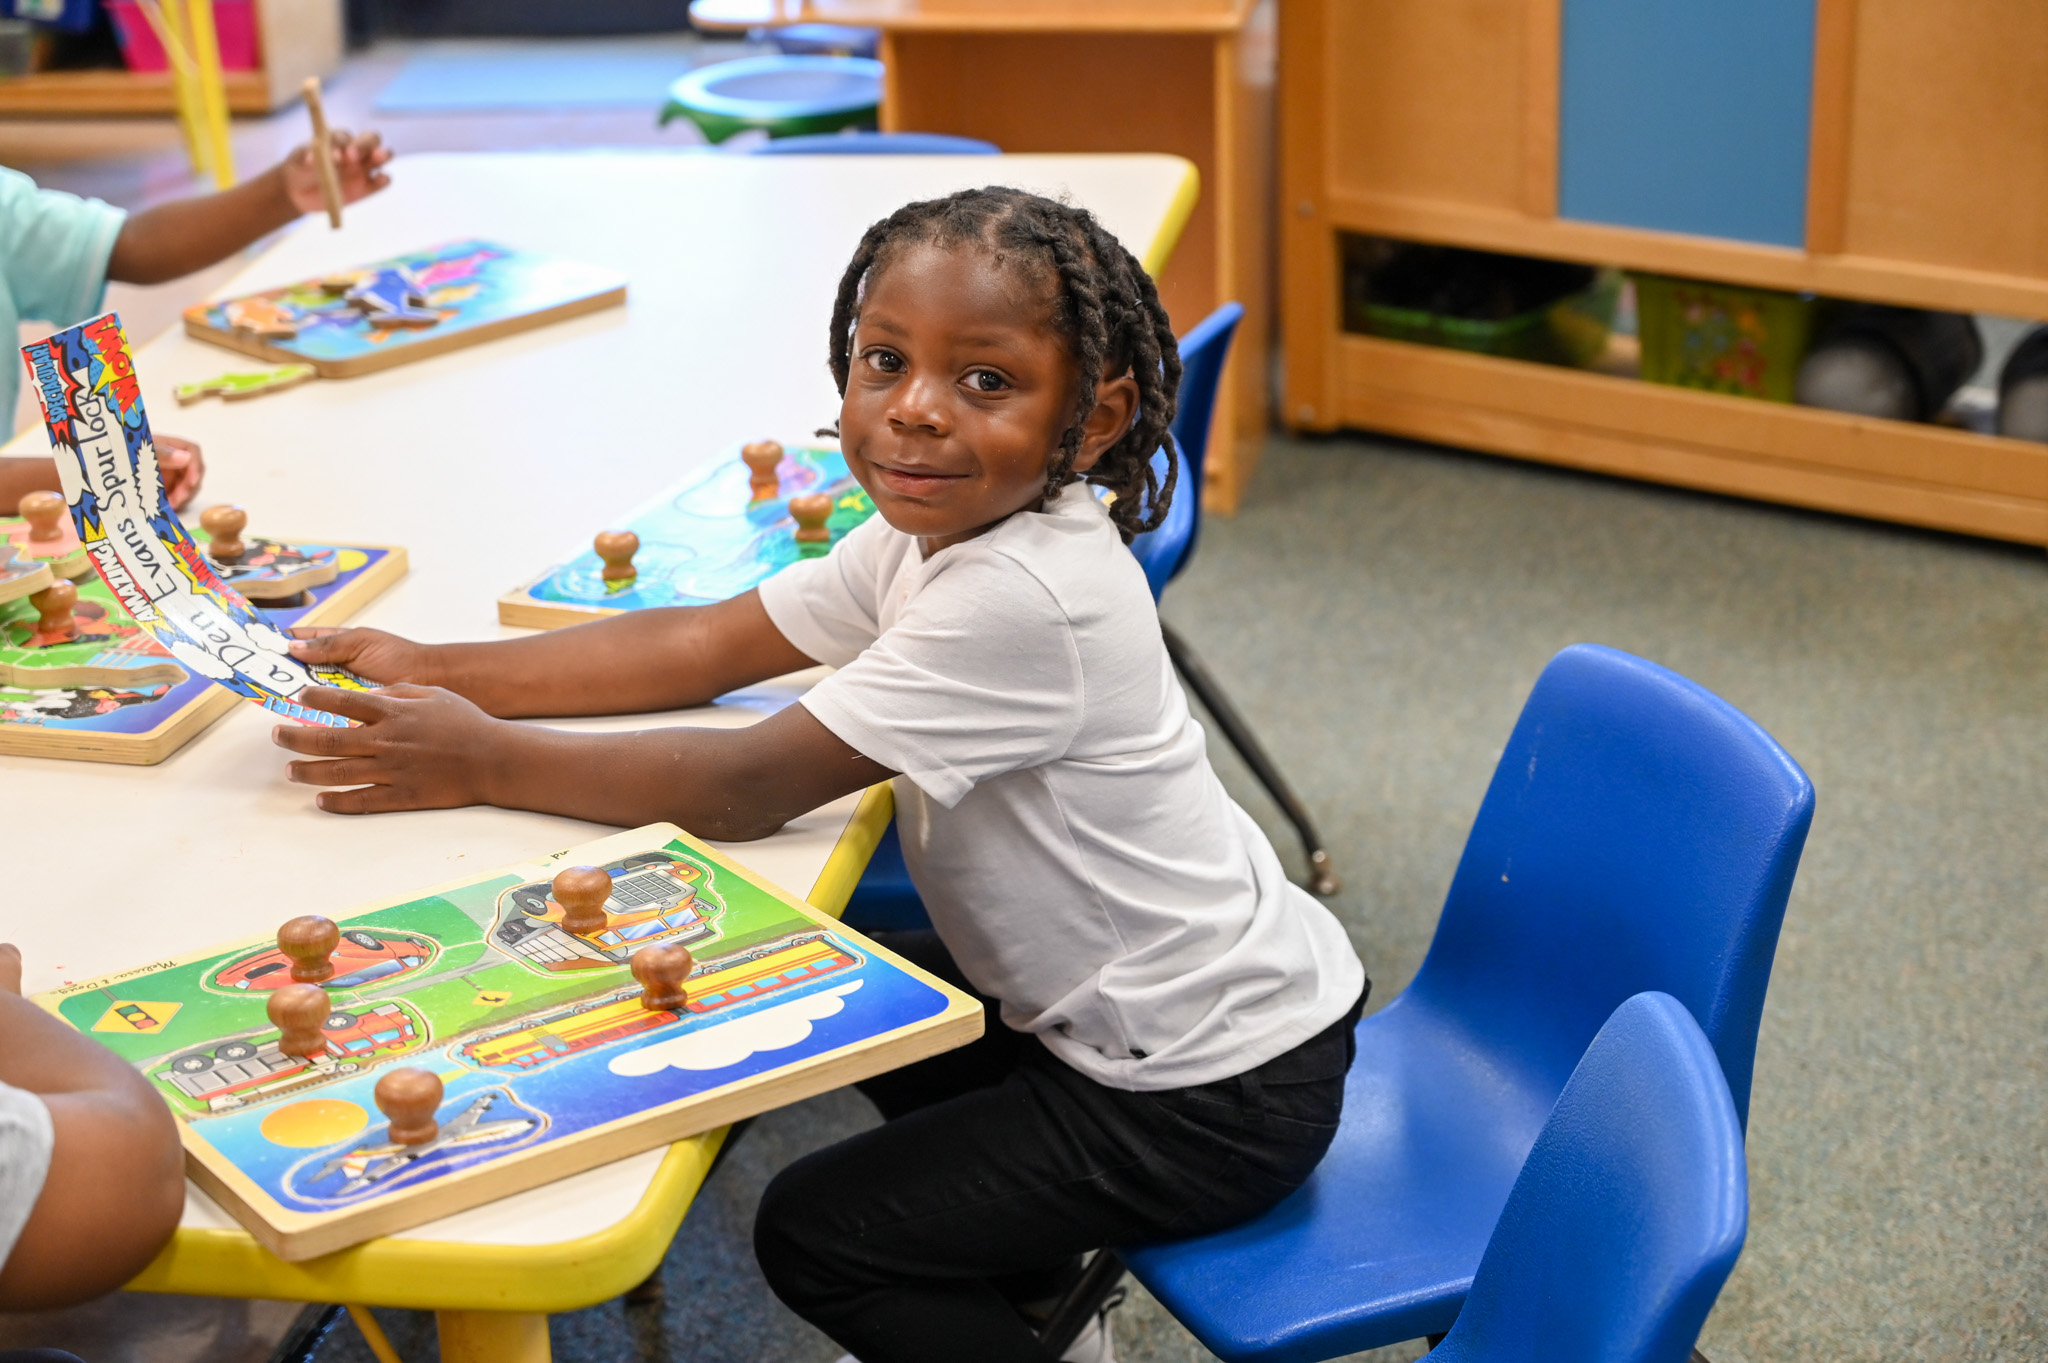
{"points": [[235, 1050], [196, 1063], [337, 1021], [363, 940]]}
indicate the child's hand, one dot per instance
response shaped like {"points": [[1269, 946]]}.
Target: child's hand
{"points": [[360, 161], [418, 747], [369, 653], [10, 967], [182, 466]]}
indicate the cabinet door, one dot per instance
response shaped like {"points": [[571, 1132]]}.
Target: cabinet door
{"points": [[1687, 116], [1947, 155]]}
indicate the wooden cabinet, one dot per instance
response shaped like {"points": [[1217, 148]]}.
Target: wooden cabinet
{"points": [[299, 38], [1898, 154]]}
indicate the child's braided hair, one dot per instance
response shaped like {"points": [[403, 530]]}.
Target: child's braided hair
{"points": [[1107, 309]]}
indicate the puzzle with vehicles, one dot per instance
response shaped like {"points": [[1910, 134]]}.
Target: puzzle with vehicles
{"points": [[551, 1061]]}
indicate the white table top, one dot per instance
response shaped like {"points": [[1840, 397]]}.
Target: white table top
{"points": [[487, 465]]}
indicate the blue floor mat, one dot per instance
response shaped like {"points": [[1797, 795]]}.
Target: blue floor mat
{"points": [[535, 76]]}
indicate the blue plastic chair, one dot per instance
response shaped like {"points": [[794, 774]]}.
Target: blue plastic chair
{"points": [[1640, 833], [877, 144], [1165, 551], [1627, 1215]]}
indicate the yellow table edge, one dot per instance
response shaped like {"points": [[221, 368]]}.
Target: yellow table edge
{"points": [[571, 1274], [445, 1276]]}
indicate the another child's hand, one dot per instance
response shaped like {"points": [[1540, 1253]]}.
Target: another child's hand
{"points": [[182, 466], [10, 967], [418, 747], [360, 161], [371, 654]]}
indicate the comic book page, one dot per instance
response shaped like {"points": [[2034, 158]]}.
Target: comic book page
{"points": [[106, 460]]}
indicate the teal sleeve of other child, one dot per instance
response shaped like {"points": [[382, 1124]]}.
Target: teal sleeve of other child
{"points": [[54, 249], [25, 1140]]}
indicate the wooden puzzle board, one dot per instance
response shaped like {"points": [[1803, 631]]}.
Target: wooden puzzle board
{"points": [[549, 1061], [160, 706], [703, 540], [482, 291]]}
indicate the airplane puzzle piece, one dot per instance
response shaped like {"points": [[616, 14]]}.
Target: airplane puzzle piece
{"points": [[391, 297], [238, 387]]}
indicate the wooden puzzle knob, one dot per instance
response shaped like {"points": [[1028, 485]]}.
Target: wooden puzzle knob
{"points": [[53, 610], [763, 458], [662, 971], [409, 1098], [810, 512], [308, 941], [223, 525], [297, 1010], [43, 511], [582, 891], [616, 548]]}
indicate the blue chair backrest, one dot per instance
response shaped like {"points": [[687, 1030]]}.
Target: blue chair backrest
{"points": [[1628, 1213], [1165, 551], [877, 144], [1640, 833]]}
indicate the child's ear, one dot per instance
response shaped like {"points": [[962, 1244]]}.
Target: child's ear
{"points": [[1116, 407]]}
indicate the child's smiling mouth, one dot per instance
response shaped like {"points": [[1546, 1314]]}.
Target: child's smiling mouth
{"points": [[914, 480]]}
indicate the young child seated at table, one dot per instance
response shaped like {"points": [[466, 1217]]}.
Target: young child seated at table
{"points": [[1175, 1016], [57, 252], [92, 1178]]}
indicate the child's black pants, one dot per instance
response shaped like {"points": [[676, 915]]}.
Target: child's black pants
{"points": [[998, 1164]]}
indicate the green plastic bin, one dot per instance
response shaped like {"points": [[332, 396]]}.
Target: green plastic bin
{"points": [[1723, 338]]}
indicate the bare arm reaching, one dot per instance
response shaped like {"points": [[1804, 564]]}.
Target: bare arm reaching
{"points": [[437, 738]]}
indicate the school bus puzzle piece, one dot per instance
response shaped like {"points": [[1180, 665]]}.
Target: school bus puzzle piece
{"points": [[550, 1061]]}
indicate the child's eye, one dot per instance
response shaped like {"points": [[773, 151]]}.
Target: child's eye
{"points": [[985, 381], [888, 361]]}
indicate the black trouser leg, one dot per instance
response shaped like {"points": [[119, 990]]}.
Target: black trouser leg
{"points": [[900, 1241]]}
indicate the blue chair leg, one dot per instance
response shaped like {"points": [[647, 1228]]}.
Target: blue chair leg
{"points": [[1322, 876]]}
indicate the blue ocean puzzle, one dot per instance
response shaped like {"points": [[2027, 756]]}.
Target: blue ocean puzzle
{"points": [[407, 307], [549, 1057], [710, 538]]}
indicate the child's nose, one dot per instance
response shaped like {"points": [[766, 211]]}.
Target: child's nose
{"points": [[920, 404]]}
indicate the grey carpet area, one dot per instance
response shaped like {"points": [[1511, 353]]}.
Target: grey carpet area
{"points": [[1379, 611]]}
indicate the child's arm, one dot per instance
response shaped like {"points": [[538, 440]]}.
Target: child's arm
{"points": [[176, 238], [438, 739], [116, 1184]]}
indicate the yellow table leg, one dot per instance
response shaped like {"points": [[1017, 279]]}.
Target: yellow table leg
{"points": [[373, 1335], [492, 1337]]}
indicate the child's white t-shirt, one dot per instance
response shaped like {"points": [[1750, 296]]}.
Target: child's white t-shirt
{"points": [[1056, 805]]}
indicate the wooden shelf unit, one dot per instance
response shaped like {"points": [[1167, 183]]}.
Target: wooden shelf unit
{"points": [[299, 38], [1927, 185]]}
